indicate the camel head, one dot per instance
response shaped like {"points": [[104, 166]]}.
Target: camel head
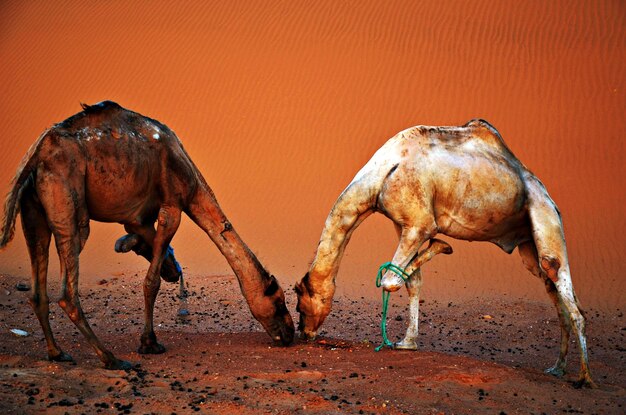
{"points": [[270, 310], [313, 308]]}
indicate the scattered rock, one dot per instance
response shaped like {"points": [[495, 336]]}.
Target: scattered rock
{"points": [[20, 333], [22, 286]]}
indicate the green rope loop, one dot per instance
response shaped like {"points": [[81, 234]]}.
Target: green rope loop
{"points": [[387, 266]]}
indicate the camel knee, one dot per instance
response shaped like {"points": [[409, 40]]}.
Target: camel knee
{"points": [[168, 218], [168, 222]]}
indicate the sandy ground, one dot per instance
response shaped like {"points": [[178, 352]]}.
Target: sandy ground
{"points": [[475, 357]]}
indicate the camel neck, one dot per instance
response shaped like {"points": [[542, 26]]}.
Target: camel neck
{"points": [[351, 208], [250, 273], [206, 213]]}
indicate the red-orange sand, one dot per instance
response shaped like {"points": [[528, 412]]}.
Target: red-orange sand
{"points": [[279, 103]]}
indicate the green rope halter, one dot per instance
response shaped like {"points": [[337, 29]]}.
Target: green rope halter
{"points": [[387, 266]]}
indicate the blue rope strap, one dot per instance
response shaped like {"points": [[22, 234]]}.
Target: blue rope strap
{"points": [[170, 251]]}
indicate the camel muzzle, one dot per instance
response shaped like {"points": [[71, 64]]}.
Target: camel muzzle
{"points": [[283, 336]]}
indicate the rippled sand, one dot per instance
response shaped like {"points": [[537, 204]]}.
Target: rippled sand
{"points": [[280, 103]]}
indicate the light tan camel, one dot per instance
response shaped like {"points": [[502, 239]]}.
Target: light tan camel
{"points": [[463, 182], [110, 164]]}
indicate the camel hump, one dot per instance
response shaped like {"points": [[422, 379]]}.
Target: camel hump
{"points": [[485, 131], [100, 106], [89, 115], [479, 123]]}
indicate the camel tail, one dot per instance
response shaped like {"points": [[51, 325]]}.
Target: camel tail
{"points": [[18, 184]]}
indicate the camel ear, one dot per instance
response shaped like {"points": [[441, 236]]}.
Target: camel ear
{"points": [[298, 288], [272, 287], [301, 287]]}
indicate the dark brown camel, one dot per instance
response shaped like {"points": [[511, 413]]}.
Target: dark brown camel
{"points": [[110, 164]]}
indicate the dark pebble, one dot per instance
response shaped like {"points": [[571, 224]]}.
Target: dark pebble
{"points": [[66, 402], [22, 286]]}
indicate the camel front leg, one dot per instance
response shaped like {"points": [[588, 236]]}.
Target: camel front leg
{"points": [[168, 222], [140, 239], [413, 287], [410, 241]]}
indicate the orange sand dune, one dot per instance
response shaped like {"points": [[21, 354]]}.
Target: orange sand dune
{"points": [[280, 103]]}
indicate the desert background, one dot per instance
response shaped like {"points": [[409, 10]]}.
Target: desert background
{"points": [[280, 103]]}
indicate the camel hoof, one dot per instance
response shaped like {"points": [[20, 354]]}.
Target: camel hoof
{"points": [[127, 242], [441, 246], [405, 345], [309, 338], [61, 357], [117, 364], [155, 348], [171, 271], [585, 381], [555, 371]]}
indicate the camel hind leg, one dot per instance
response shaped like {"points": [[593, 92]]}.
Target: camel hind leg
{"points": [[547, 231], [529, 255], [38, 235], [63, 201]]}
